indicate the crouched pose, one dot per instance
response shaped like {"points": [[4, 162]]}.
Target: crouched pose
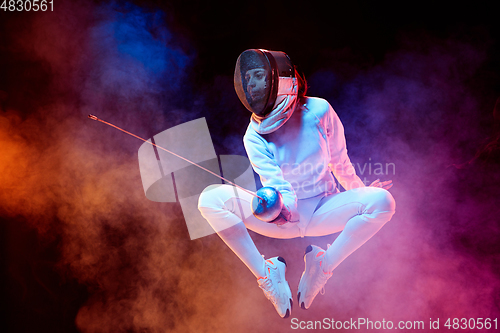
{"points": [[294, 143]]}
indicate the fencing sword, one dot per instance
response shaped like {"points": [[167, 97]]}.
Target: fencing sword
{"points": [[266, 203]]}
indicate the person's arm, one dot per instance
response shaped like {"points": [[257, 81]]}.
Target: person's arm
{"points": [[270, 174]]}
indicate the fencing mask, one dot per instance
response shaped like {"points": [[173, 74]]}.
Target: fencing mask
{"points": [[256, 78]]}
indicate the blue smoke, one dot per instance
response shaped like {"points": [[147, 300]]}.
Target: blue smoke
{"points": [[142, 36]]}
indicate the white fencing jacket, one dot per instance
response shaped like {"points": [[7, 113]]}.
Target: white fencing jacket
{"points": [[298, 157]]}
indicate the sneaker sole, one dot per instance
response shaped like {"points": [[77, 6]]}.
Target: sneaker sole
{"points": [[309, 248], [282, 273]]}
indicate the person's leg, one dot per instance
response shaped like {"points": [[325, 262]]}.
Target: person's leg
{"points": [[228, 211], [221, 207], [359, 214]]}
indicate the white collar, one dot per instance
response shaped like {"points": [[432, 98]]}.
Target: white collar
{"points": [[282, 110]]}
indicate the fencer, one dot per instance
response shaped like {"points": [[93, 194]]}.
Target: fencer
{"points": [[296, 144]]}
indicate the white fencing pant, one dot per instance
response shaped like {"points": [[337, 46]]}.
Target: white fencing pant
{"points": [[358, 213]]}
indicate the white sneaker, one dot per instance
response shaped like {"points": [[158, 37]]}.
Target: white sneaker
{"points": [[314, 278], [275, 286]]}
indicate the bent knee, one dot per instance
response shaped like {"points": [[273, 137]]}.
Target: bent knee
{"points": [[210, 196], [216, 196], [384, 201]]}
